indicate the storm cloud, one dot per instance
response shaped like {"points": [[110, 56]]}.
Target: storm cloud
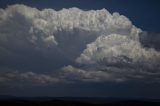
{"points": [[48, 46]]}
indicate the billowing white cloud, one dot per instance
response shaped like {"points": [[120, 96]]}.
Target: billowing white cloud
{"points": [[108, 47], [114, 48], [26, 29], [30, 25]]}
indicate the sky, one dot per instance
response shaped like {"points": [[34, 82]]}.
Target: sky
{"points": [[86, 48]]}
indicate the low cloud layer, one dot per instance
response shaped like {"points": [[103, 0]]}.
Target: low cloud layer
{"points": [[74, 45], [27, 78]]}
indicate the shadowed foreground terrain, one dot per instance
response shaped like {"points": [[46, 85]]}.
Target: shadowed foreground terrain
{"points": [[71, 101]]}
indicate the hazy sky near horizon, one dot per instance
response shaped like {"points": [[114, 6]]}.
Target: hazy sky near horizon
{"points": [[108, 48]]}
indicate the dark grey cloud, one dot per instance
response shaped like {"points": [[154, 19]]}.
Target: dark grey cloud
{"points": [[150, 40], [48, 46]]}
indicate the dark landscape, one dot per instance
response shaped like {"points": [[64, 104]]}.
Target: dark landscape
{"points": [[75, 101]]}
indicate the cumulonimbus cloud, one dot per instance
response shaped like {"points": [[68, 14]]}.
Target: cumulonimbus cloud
{"points": [[94, 45]]}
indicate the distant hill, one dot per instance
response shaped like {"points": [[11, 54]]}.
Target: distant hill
{"points": [[75, 101]]}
